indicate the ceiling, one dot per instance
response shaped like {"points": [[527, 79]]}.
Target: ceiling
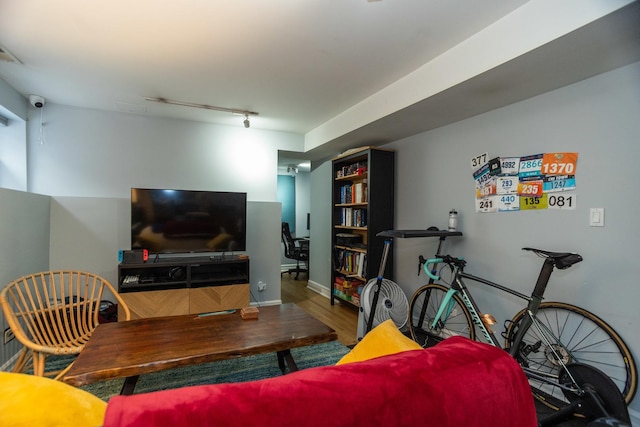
{"points": [[298, 63]]}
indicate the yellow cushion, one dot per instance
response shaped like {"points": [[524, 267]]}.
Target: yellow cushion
{"points": [[26, 400], [382, 340]]}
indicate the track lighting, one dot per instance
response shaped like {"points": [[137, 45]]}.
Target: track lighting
{"points": [[245, 113]]}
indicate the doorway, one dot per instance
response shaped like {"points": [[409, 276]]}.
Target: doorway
{"points": [[293, 192]]}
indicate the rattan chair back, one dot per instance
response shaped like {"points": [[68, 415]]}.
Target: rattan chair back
{"points": [[54, 313]]}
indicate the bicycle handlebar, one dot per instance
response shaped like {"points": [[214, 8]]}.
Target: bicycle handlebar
{"points": [[427, 270], [447, 259]]}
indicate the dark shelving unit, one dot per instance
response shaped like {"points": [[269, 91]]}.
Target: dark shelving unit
{"points": [[363, 206]]}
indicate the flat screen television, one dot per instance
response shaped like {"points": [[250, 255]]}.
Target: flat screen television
{"points": [[184, 221]]}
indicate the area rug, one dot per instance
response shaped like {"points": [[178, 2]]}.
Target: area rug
{"points": [[234, 370]]}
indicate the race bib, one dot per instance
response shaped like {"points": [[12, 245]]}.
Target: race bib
{"points": [[566, 201], [555, 183], [508, 202], [532, 203], [559, 163], [530, 166], [509, 165], [530, 188], [487, 204]]}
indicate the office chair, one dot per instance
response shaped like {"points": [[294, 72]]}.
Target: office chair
{"points": [[297, 249]]}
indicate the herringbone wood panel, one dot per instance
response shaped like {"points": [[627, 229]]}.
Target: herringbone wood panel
{"points": [[218, 298], [170, 302]]}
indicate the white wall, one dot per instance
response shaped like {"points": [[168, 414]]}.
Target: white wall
{"points": [[13, 153], [598, 118], [12, 102], [89, 160], [13, 146], [89, 153]]}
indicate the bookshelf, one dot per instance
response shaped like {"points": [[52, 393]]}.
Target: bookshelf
{"points": [[363, 205]]}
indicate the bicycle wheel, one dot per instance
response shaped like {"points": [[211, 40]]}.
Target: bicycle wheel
{"points": [[580, 337], [423, 309]]}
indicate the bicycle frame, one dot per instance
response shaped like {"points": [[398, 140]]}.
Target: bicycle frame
{"points": [[458, 287]]}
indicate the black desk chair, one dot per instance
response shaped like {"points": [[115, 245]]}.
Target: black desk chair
{"points": [[297, 249]]}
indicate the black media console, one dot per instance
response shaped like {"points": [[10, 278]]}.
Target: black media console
{"points": [[179, 273]]}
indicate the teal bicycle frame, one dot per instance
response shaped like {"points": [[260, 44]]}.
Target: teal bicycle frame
{"points": [[457, 286]]}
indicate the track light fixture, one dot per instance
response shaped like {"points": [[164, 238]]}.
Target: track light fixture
{"points": [[245, 113]]}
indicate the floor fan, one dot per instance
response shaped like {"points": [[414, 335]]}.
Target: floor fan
{"points": [[381, 299]]}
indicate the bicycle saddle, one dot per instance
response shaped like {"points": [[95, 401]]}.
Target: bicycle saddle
{"points": [[561, 260]]}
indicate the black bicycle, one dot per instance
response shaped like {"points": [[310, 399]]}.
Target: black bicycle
{"points": [[576, 363]]}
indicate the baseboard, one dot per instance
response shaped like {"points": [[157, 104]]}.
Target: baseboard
{"points": [[318, 288], [266, 303], [286, 267]]}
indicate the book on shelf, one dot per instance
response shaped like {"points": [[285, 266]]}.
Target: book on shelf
{"points": [[361, 265], [359, 192], [351, 263], [353, 193], [353, 217]]}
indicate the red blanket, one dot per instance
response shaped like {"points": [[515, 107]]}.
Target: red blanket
{"points": [[457, 383]]}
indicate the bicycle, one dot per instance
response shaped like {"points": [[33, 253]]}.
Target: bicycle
{"points": [[574, 360]]}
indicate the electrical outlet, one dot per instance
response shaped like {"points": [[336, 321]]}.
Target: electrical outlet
{"points": [[262, 286], [8, 335]]}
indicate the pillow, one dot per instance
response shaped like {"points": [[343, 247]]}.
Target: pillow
{"points": [[28, 401], [382, 340]]}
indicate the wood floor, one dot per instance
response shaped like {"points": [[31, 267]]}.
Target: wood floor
{"points": [[343, 318]]}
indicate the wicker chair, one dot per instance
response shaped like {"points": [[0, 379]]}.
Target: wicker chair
{"points": [[54, 313]]}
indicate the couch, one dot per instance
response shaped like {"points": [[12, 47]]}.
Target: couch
{"points": [[386, 380], [456, 383]]}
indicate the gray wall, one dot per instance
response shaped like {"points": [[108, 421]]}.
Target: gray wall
{"points": [[320, 233], [598, 118], [90, 159], [24, 244], [86, 164]]}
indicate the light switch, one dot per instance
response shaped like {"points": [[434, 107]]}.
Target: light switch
{"points": [[596, 217]]}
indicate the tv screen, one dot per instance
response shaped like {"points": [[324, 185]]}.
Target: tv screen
{"points": [[173, 221]]}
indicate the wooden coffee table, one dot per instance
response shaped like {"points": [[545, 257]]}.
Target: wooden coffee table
{"points": [[130, 349]]}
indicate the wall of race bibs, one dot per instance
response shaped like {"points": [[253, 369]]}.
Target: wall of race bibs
{"points": [[539, 181]]}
